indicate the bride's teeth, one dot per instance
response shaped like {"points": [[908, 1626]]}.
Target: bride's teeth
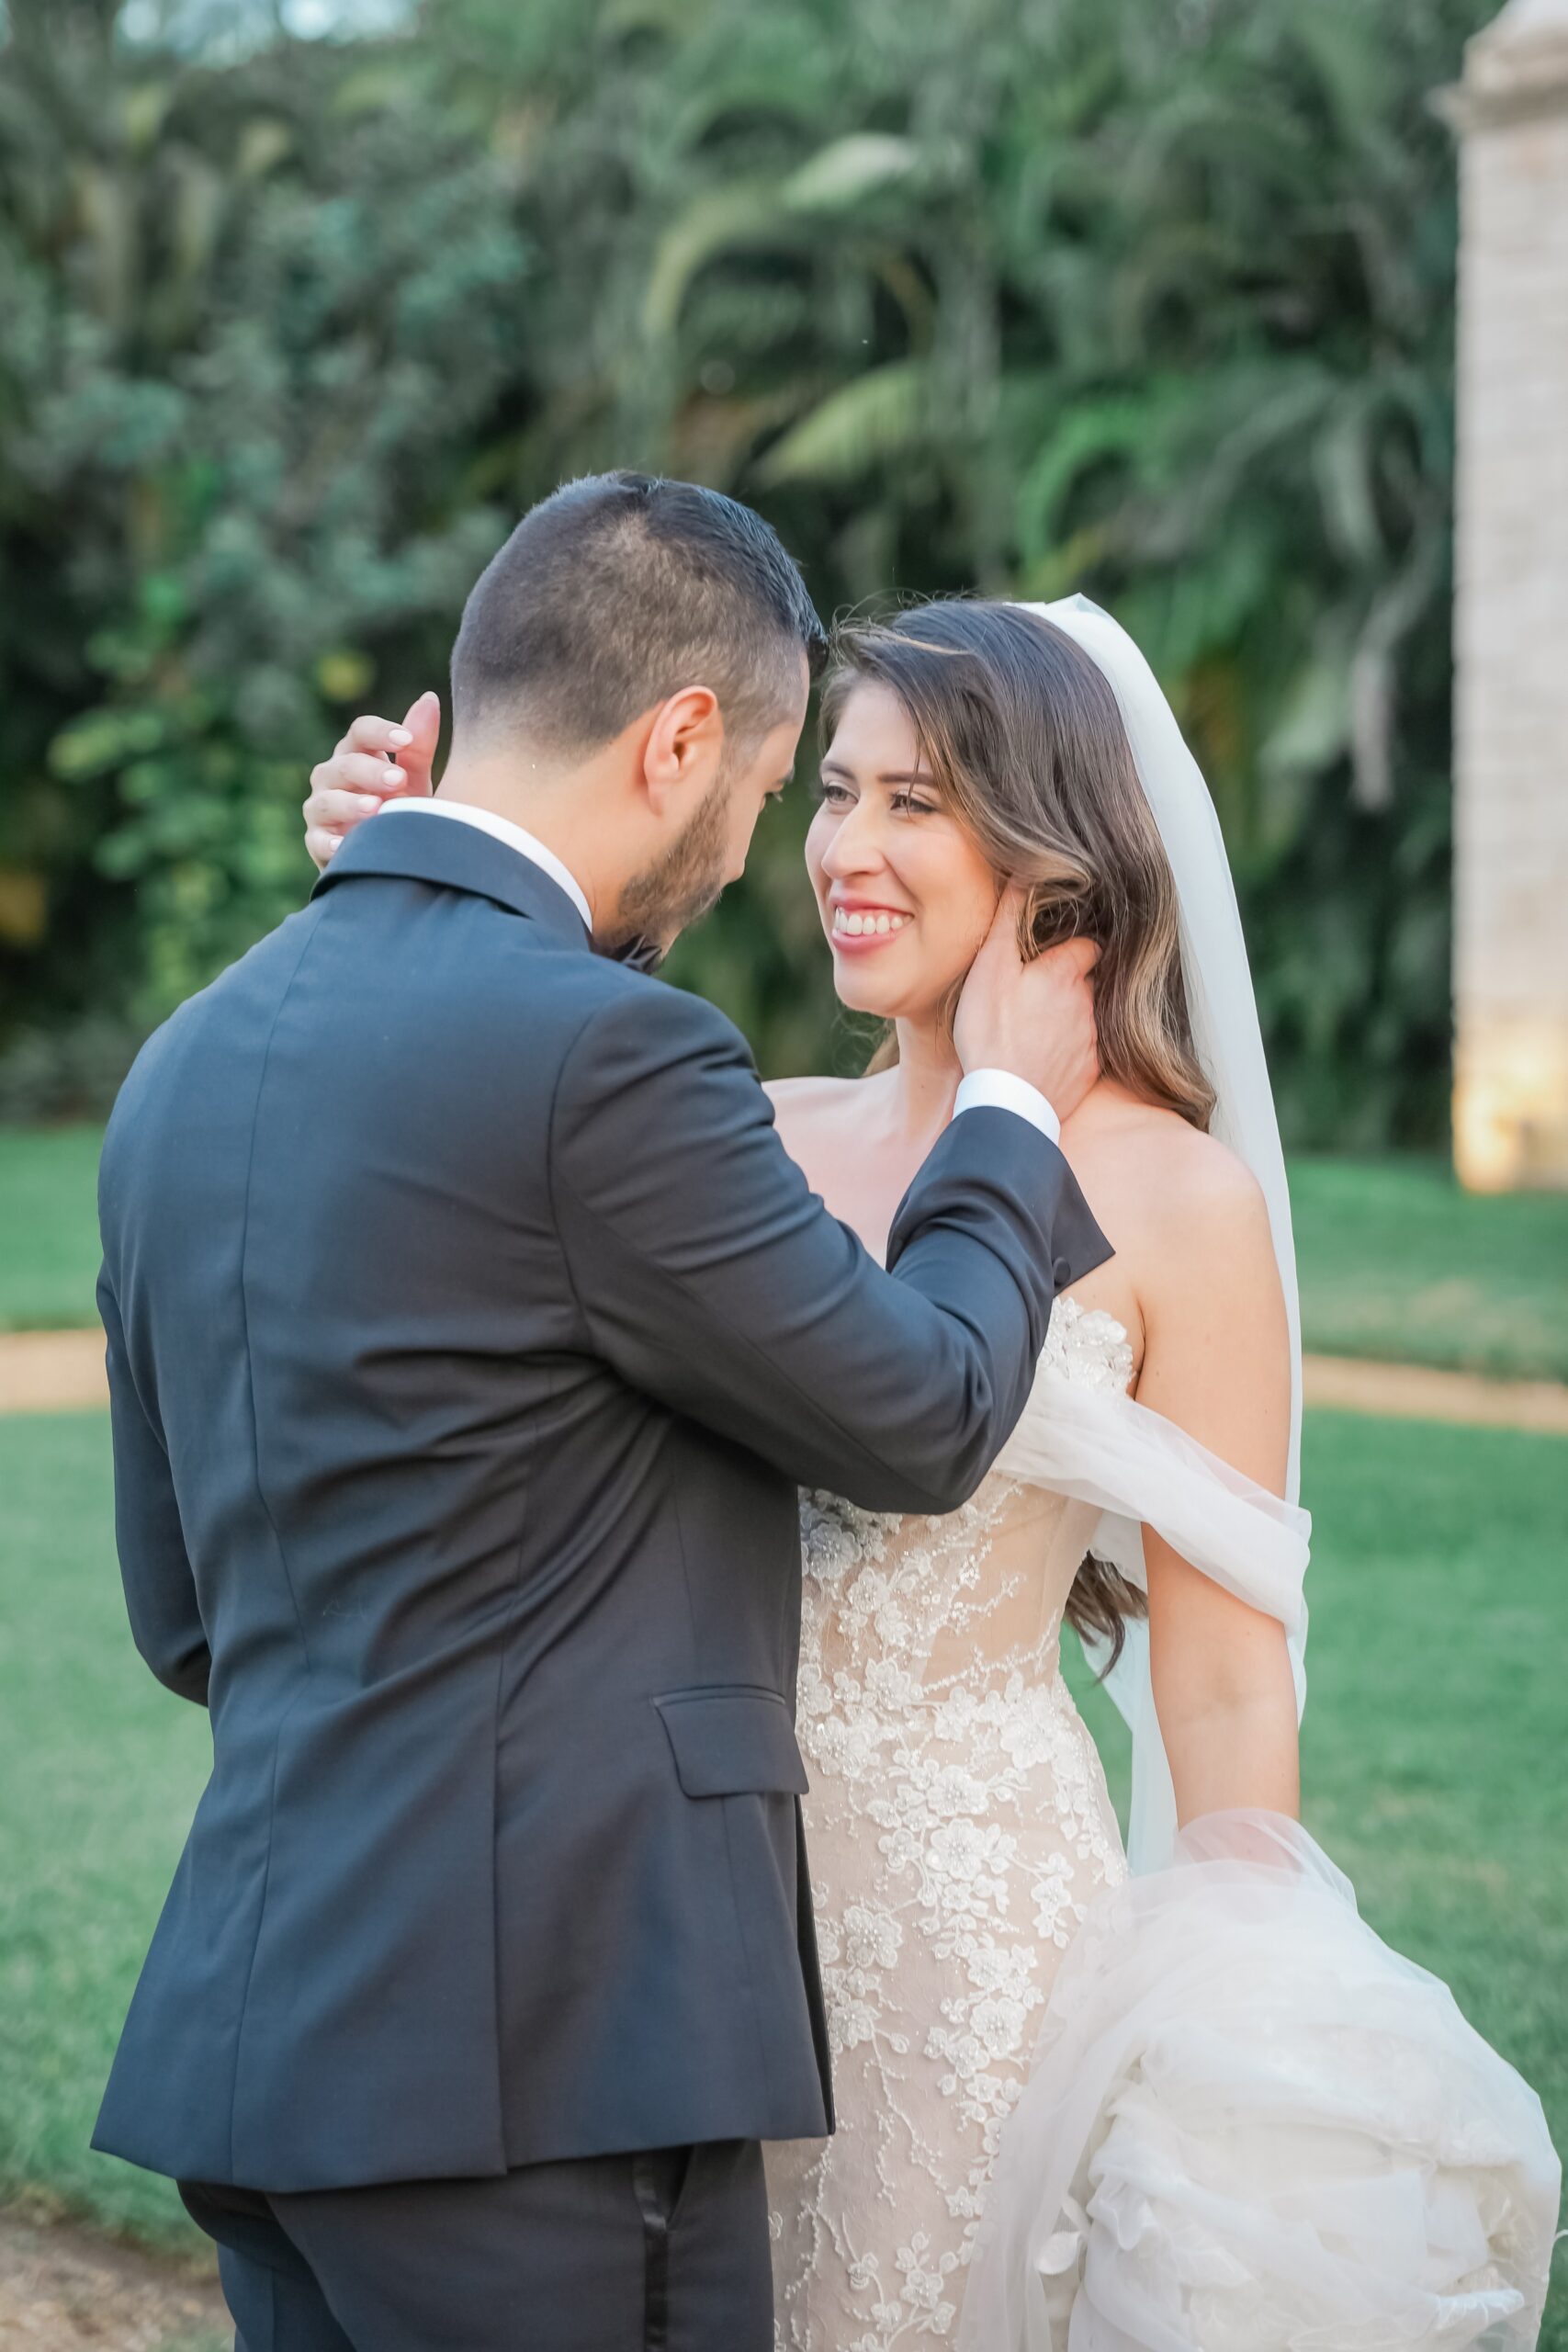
{"points": [[866, 926]]}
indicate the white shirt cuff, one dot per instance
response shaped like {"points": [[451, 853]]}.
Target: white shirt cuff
{"points": [[1001, 1089]]}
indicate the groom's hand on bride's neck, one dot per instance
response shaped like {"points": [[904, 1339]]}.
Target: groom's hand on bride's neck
{"points": [[1035, 1018], [378, 760]]}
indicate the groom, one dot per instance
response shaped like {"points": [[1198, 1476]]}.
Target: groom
{"points": [[469, 1332]]}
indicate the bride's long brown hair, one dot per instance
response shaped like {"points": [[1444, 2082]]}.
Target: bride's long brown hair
{"points": [[1022, 733]]}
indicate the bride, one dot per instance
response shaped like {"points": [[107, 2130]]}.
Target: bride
{"points": [[1202, 2107]]}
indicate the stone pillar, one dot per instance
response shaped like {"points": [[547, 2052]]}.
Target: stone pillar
{"points": [[1511, 621]]}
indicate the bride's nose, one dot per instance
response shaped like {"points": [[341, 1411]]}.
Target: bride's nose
{"points": [[855, 846]]}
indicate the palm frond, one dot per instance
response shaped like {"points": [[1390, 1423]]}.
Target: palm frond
{"points": [[865, 424]]}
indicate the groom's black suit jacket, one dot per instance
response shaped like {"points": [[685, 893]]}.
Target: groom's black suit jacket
{"points": [[469, 1332]]}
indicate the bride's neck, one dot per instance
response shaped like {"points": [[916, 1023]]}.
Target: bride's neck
{"points": [[924, 1082]]}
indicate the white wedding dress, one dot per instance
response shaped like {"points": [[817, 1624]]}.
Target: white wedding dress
{"points": [[1202, 2111], [958, 1827]]}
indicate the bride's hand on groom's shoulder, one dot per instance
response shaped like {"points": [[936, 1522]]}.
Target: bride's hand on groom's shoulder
{"points": [[378, 760], [1035, 1019]]}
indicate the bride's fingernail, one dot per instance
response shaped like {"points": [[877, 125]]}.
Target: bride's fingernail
{"points": [[398, 737], [396, 776]]}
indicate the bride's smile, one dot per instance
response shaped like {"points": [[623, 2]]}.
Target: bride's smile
{"points": [[864, 926], [905, 893]]}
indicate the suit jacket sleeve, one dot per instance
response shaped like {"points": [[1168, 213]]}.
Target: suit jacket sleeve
{"points": [[712, 1278], [160, 1589]]}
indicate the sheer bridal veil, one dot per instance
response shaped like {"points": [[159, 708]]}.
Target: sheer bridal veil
{"points": [[1229, 1044]]}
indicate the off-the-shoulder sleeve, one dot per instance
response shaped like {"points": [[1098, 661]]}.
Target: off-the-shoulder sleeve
{"points": [[1101, 1447]]}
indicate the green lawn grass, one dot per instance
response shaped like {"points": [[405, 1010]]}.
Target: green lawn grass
{"points": [[1434, 1741], [1395, 1261], [101, 1771], [49, 1226]]}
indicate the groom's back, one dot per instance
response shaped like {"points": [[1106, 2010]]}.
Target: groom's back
{"points": [[436, 1563], [317, 1185]]}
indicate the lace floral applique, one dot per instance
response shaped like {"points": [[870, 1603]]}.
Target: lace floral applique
{"points": [[1088, 1345], [958, 1826]]}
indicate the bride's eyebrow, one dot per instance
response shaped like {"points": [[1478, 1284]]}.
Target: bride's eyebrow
{"points": [[888, 775]]}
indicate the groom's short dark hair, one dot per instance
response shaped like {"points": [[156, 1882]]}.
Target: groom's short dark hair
{"points": [[615, 593]]}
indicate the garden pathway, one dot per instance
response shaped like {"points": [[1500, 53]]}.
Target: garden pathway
{"points": [[62, 1371], [1417, 1392], [65, 2290], [51, 1372]]}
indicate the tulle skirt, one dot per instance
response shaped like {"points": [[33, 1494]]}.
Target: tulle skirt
{"points": [[1250, 2126]]}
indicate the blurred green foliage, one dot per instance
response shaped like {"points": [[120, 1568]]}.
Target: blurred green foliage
{"points": [[1150, 296]]}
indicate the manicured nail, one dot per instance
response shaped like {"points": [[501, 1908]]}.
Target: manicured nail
{"points": [[399, 736], [369, 802], [396, 776]]}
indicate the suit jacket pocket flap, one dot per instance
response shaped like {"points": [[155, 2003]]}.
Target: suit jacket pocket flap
{"points": [[729, 1742]]}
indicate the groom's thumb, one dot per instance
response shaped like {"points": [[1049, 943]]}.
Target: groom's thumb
{"points": [[422, 720]]}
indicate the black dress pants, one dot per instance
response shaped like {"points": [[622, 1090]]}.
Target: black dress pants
{"points": [[665, 2252]]}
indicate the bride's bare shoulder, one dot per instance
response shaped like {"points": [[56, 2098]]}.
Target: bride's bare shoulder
{"points": [[1191, 1212], [1145, 1140], [1196, 1174]]}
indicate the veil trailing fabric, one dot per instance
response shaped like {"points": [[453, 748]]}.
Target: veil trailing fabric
{"points": [[1249, 2126]]}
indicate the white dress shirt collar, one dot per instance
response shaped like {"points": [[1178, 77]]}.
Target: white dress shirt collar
{"points": [[502, 829]]}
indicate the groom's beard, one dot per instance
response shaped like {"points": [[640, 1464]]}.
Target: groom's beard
{"points": [[676, 890]]}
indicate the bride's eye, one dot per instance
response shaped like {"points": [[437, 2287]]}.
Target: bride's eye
{"points": [[831, 795], [911, 807]]}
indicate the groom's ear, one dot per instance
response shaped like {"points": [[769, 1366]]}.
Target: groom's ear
{"points": [[681, 751]]}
